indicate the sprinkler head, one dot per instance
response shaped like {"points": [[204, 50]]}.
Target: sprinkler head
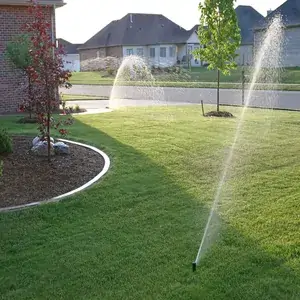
{"points": [[194, 266]]}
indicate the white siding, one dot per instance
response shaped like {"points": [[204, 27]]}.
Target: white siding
{"points": [[193, 39], [157, 60], [245, 55], [72, 62], [291, 51], [290, 56]]}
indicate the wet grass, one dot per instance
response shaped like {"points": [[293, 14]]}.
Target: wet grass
{"points": [[135, 234]]}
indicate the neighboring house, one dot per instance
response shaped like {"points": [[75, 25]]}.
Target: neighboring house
{"points": [[248, 19], [290, 12], [154, 37], [160, 41], [72, 58], [13, 13]]}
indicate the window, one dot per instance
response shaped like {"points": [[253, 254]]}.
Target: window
{"points": [[140, 51], [163, 52], [98, 54], [129, 52], [172, 51], [152, 52]]}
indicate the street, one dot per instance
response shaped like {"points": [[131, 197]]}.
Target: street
{"points": [[129, 96]]}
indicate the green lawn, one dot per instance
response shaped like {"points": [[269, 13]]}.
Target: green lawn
{"points": [[69, 97], [135, 234], [198, 77]]}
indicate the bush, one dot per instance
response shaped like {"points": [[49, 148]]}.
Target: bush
{"points": [[5, 142], [77, 108], [110, 71]]}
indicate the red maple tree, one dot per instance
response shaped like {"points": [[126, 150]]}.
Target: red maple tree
{"points": [[46, 71]]}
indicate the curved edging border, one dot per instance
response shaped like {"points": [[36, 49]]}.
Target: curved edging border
{"points": [[71, 193]]}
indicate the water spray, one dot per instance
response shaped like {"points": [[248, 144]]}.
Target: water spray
{"points": [[268, 55]]}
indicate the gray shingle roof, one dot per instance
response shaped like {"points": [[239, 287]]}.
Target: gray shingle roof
{"points": [[69, 47], [290, 11], [138, 29], [151, 29], [248, 19]]}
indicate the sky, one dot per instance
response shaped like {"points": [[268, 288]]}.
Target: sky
{"points": [[77, 22]]}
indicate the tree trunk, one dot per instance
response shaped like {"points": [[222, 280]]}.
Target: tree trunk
{"points": [[48, 123], [30, 97], [218, 92], [48, 136]]}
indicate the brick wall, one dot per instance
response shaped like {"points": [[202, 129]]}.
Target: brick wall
{"points": [[88, 54], [11, 80], [115, 51]]}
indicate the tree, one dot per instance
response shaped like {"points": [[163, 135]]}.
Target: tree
{"points": [[46, 72], [219, 34], [17, 52]]}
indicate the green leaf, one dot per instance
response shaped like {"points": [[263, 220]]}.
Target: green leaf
{"points": [[17, 51], [220, 33]]}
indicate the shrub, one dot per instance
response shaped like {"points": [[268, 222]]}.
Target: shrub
{"points": [[63, 101], [77, 108], [110, 71], [5, 142]]}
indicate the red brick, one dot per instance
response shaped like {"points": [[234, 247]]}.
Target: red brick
{"points": [[11, 80]]}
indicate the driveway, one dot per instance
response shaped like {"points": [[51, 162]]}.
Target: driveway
{"points": [[179, 96]]}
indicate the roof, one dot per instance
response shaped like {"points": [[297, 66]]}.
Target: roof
{"points": [[290, 12], [138, 29], [248, 19], [69, 47], [58, 3]]}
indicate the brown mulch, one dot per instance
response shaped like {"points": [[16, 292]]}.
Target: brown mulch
{"points": [[27, 178], [219, 114]]}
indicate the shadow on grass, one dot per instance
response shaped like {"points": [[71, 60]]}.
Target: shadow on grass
{"points": [[132, 236]]}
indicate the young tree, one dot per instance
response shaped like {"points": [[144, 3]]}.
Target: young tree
{"points": [[46, 72], [17, 52], [219, 34]]}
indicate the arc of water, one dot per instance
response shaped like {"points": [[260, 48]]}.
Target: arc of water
{"points": [[272, 38]]}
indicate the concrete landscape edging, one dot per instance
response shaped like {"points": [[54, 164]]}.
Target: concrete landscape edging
{"points": [[73, 192]]}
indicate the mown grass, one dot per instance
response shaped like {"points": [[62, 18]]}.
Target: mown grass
{"points": [[135, 234], [70, 97], [197, 78]]}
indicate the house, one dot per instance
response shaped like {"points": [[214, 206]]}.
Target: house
{"points": [[160, 41], [72, 58], [152, 36], [290, 12], [13, 14], [248, 19]]}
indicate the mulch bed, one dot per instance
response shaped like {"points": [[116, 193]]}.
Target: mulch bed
{"points": [[219, 114], [28, 178]]}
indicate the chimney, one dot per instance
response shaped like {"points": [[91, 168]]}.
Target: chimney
{"points": [[131, 21], [269, 11]]}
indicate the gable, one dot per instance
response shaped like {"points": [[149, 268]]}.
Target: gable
{"points": [[193, 39], [248, 19], [290, 12]]}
